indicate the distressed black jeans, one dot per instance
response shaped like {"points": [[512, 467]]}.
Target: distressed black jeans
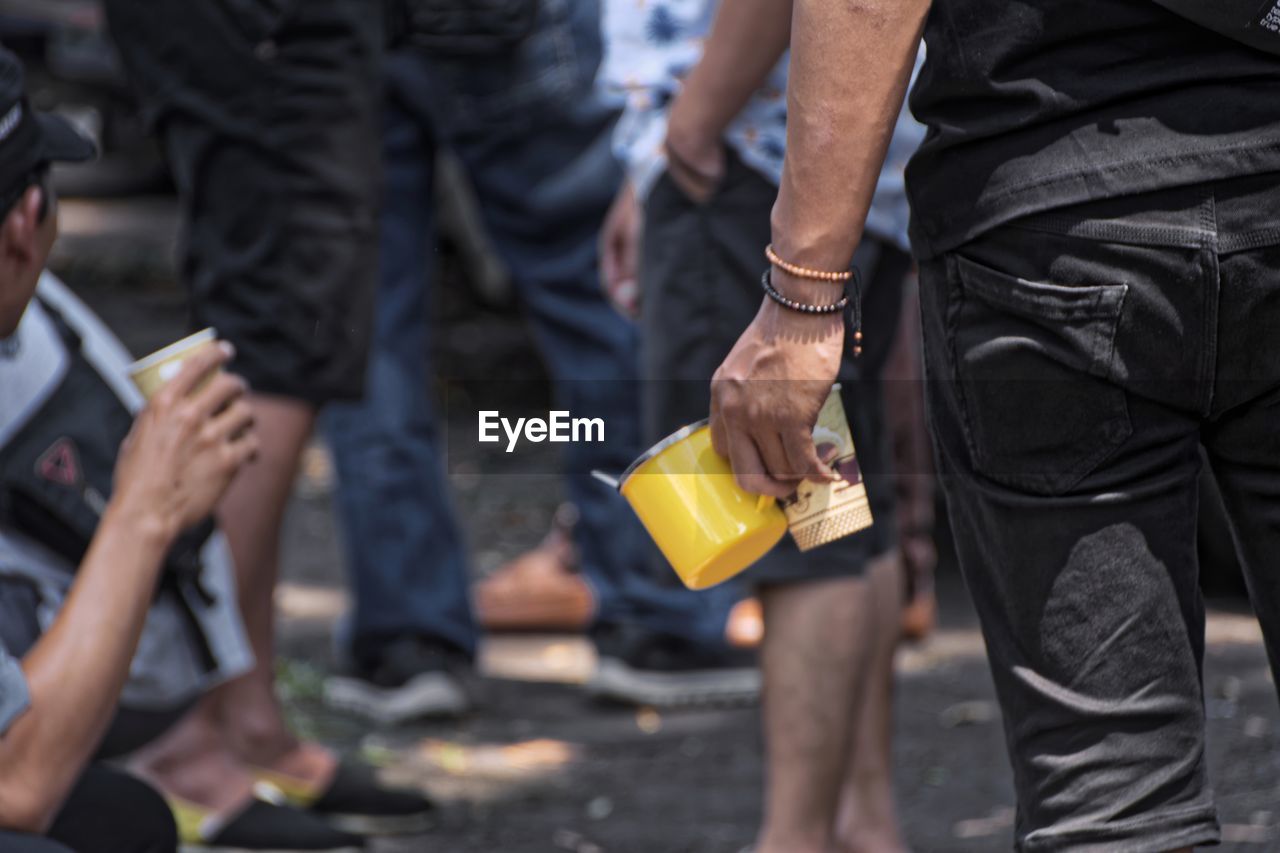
{"points": [[1077, 364]]}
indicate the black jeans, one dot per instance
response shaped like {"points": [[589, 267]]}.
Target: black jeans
{"points": [[1077, 363], [107, 812]]}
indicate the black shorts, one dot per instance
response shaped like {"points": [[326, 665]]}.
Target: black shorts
{"points": [[700, 279], [269, 114], [107, 809]]}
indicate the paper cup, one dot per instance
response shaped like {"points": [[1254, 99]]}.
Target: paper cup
{"points": [[150, 374], [819, 513]]}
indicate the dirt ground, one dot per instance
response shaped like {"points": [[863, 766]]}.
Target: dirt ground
{"points": [[539, 767]]}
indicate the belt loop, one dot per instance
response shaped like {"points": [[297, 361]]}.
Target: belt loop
{"points": [[1209, 214]]}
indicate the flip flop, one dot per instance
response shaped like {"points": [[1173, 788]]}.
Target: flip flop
{"points": [[354, 801], [259, 827]]}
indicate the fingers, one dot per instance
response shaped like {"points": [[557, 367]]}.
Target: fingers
{"points": [[774, 456], [194, 370], [233, 421], [749, 470], [719, 432], [221, 392], [731, 437], [619, 252], [803, 458], [242, 449]]}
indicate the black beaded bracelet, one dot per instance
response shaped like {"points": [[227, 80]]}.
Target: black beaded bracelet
{"points": [[766, 281]]}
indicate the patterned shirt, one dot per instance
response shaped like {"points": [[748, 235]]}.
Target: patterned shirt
{"points": [[651, 45]]}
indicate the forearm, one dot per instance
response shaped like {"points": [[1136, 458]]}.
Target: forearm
{"points": [[850, 66], [78, 668], [746, 41]]}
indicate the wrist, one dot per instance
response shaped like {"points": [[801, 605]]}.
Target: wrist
{"points": [[692, 139], [804, 290], [148, 528], [810, 244]]}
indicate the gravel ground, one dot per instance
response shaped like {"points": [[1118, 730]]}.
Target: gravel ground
{"points": [[538, 767]]}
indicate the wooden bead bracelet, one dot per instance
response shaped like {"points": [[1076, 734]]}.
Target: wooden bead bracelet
{"points": [[805, 272]]}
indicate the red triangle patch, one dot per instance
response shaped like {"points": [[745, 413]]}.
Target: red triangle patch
{"points": [[60, 464]]}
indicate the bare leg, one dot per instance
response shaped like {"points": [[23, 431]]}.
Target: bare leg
{"points": [[251, 515], [866, 821], [815, 656]]}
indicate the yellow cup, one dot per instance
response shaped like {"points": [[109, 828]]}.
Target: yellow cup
{"points": [[707, 527], [151, 373]]}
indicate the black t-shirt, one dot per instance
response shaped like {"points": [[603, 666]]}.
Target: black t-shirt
{"points": [[1037, 104]]}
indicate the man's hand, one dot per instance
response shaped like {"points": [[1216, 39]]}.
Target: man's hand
{"points": [[766, 396], [186, 446], [695, 152], [620, 238]]}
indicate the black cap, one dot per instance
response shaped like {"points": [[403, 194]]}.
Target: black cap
{"points": [[29, 139]]}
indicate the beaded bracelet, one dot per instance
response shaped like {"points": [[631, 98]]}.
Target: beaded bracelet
{"points": [[766, 281], [855, 321], [805, 272]]}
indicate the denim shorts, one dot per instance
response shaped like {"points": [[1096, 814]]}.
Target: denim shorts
{"points": [[1077, 364], [269, 111], [700, 284]]}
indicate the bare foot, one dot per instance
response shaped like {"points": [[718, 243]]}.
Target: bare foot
{"points": [[310, 763], [254, 726], [193, 762]]}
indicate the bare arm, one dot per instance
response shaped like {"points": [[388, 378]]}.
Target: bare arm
{"points": [[851, 61], [746, 41], [180, 456]]}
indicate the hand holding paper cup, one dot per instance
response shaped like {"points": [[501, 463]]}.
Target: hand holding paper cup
{"points": [[150, 374], [186, 445]]}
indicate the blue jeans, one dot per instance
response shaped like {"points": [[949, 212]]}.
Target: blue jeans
{"points": [[534, 141]]}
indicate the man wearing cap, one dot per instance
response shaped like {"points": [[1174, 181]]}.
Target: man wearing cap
{"points": [[115, 613], [70, 629]]}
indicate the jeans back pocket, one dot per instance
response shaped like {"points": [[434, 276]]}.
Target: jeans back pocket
{"points": [[1033, 361]]}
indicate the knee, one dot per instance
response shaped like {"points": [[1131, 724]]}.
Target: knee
{"points": [[154, 828], [108, 804]]}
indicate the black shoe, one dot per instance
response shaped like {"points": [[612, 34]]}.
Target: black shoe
{"points": [[405, 679], [355, 801], [646, 668]]}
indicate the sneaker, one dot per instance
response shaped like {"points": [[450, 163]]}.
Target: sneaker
{"points": [[412, 679], [355, 801], [260, 827], [645, 668]]}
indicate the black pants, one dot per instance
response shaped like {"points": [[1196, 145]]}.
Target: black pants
{"points": [[1077, 362], [107, 812]]}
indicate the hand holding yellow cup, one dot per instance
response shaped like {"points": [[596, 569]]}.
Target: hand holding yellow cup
{"points": [[704, 523]]}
